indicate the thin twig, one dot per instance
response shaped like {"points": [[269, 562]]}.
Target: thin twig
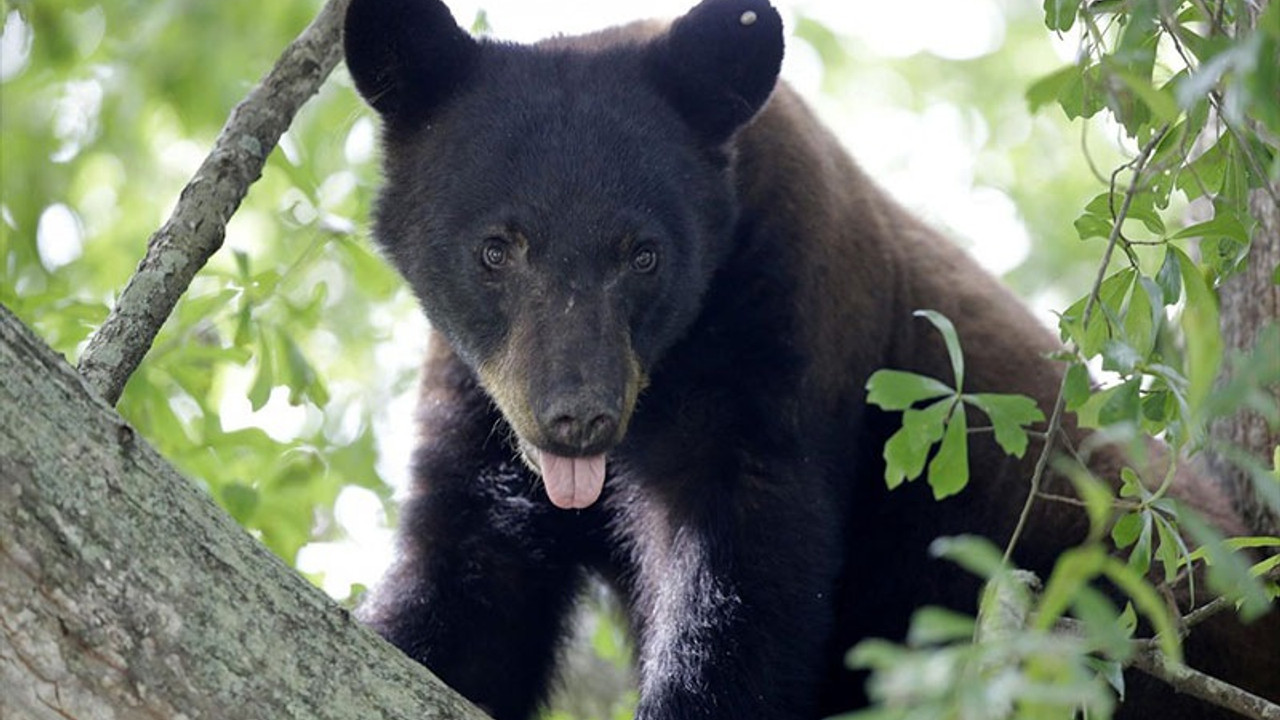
{"points": [[1055, 417], [195, 230], [1068, 500], [1218, 605]]}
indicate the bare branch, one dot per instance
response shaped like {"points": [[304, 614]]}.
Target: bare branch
{"points": [[195, 230], [1206, 687]]}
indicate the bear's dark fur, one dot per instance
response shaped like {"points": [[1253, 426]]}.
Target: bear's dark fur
{"points": [[641, 253]]}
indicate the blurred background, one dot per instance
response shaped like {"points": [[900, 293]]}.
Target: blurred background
{"points": [[284, 381]]}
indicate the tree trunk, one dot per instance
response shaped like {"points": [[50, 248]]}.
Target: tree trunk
{"points": [[125, 592], [1250, 302]]}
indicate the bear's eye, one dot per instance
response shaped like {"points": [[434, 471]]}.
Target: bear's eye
{"points": [[495, 254], [644, 260]]}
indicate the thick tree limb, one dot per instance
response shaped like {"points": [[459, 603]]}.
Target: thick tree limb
{"points": [[125, 592], [195, 230]]}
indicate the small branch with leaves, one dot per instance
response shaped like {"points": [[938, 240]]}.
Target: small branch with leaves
{"points": [[195, 230]]}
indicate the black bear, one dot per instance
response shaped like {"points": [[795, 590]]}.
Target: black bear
{"points": [[657, 287]]}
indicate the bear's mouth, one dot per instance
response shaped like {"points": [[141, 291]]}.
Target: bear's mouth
{"points": [[572, 483]]}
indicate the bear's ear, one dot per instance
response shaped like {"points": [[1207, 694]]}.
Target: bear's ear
{"points": [[406, 56], [718, 64]]}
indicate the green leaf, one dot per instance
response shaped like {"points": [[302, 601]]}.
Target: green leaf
{"points": [[1119, 356], [1089, 225], [899, 390], [239, 500], [1167, 551], [1206, 78], [1160, 101], [1228, 569], [902, 460], [1111, 295], [301, 378], [1077, 387], [1203, 336], [1223, 249], [1148, 602], [1131, 485], [949, 470], [264, 380], [1205, 175], [1159, 407], [1115, 289], [948, 331], [1098, 500], [1140, 317], [1221, 225], [1110, 670], [1008, 414], [974, 553], [1122, 405], [1075, 568], [1060, 15], [936, 626], [907, 449], [1170, 278], [1128, 619], [1050, 87], [1126, 530], [1103, 207], [242, 263], [873, 653], [1085, 94], [1101, 623], [1140, 557]]}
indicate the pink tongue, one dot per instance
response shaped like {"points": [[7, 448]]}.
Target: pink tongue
{"points": [[572, 482]]}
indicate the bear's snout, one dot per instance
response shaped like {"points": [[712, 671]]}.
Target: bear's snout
{"points": [[580, 426]]}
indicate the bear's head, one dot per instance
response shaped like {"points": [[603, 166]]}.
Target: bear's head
{"points": [[561, 208]]}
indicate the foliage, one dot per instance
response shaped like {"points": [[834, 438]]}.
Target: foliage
{"points": [[958, 667], [105, 117], [1195, 88], [944, 420]]}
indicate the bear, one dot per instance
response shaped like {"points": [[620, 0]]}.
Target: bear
{"points": [[657, 286]]}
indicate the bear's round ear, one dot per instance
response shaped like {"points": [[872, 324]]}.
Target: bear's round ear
{"points": [[406, 56], [719, 63]]}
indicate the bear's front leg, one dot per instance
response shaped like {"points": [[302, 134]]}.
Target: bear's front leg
{"points": [[480, 590], [731, 602]]}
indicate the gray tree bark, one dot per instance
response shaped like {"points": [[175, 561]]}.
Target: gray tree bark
{"points": [[125, 592], [1250, 302]]}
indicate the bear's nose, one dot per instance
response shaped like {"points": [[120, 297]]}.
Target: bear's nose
{"points": [[586, 428]]}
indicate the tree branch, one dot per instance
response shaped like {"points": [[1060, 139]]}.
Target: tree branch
{"points": [[1192, 682], [126, 592], [195, 230]]}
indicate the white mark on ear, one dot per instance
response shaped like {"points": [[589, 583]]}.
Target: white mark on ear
{"points": [[748, 18]]}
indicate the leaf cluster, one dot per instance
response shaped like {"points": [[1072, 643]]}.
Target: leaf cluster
{"points": [[943, 422]]}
